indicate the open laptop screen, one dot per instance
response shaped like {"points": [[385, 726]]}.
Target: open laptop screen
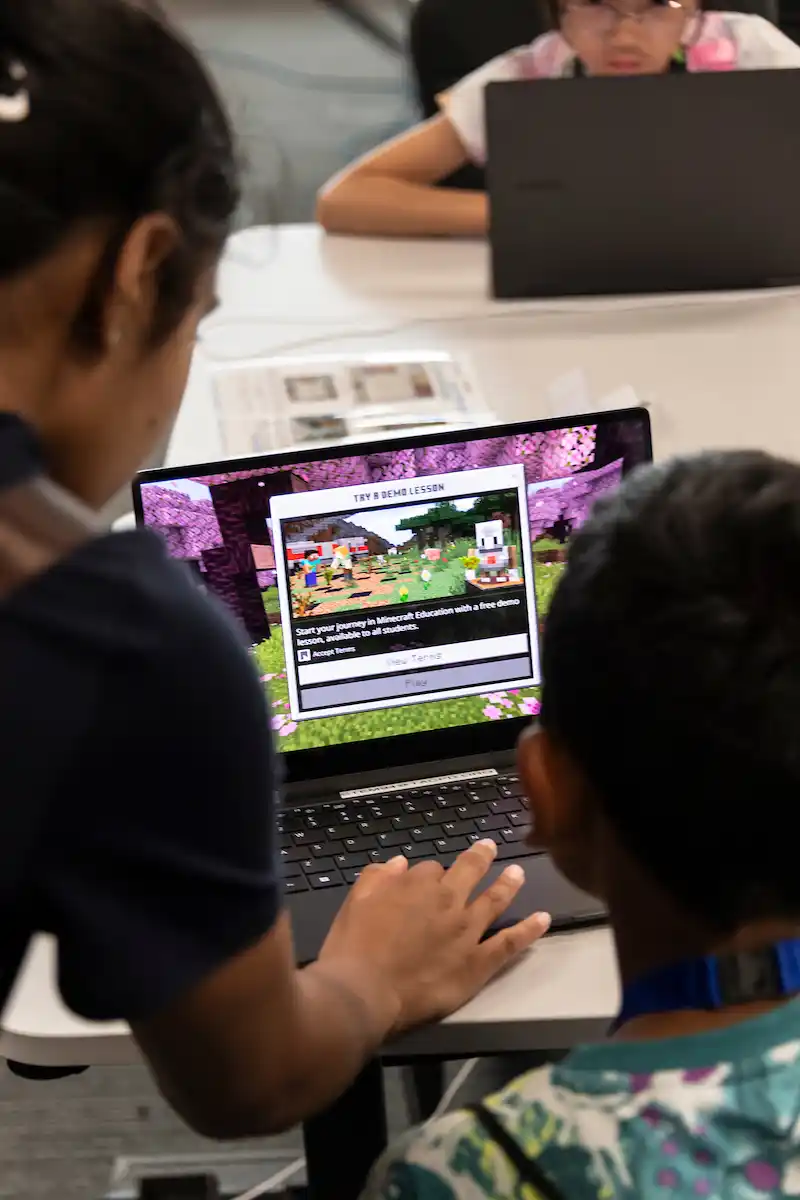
{"points": [[395, 589]]}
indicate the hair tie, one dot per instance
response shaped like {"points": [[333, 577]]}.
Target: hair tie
{"points": [[15, 106]]}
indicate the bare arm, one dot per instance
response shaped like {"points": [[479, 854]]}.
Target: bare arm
{"points": [[391, 192], [260, 1045]]}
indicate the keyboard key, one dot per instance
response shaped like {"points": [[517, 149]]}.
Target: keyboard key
{"points": [[513, 835], [395, 838], [437, 817], [313, 866], [353, 845], [520, 818], [381, 856], [406, 821], [505, 806], [346, 862], [294, 854], [485, 824], [374, 827], [390, 809], [458, 828], [452, 845], [302, 838], [290, 870], [510, 789], [314, 822], [419, 850], [423, 834], [290, 822], [449, 800], [417, 805], [466, 812], [297, 884], [512, 850], [483, 795], [284, 841], [327, 879], [335, 833], [351, 874], [326, 849]]}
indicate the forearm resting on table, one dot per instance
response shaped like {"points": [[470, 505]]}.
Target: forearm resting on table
{"points": [[392, 192], [262, 1046], [384, 207]]}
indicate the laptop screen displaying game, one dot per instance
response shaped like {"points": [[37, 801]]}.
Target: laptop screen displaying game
{"points": [[398, 589]]}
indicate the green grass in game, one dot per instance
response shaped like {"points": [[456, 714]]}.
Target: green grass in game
{"points": [[412, 718]]}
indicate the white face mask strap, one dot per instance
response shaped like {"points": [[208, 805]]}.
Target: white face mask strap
{"points": [[15, 101]]}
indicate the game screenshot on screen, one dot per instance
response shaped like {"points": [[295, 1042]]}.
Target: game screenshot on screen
{"points": [[399, 591]]}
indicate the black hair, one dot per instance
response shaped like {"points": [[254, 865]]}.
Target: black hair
{"points": [[123, 120], [671, 660], [551, 10]]}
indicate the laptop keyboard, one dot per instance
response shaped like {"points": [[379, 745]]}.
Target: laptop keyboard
{"points": [[327, 845]]}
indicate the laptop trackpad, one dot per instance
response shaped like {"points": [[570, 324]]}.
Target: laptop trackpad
{"points": [[546, 890]]}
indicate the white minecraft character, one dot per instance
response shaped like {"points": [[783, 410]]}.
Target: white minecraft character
{"points": [[492, 551]]}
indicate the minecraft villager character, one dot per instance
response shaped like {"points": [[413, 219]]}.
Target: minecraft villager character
{"points": [[310, 568], [492, 551], [343, 561]]}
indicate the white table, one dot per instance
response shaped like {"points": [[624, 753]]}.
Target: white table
{"points": [[715, 371], [719, 372]]}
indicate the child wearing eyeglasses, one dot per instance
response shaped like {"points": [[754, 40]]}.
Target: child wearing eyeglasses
{"points": [[392, 191]]}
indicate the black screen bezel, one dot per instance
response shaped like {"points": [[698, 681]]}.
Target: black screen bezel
{"points": [[436, 745]]}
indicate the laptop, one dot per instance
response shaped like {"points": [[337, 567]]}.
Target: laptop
{"points": [[665, 183], [394, 594]]}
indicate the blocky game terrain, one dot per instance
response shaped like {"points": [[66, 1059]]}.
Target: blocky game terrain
{"points": [[218, 525], [396, 556]]}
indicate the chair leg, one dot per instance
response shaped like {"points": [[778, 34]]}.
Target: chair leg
{"points": [[423, 1086]]}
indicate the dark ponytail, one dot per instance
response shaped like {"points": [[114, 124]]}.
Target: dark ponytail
{"points": [[105, 114]]}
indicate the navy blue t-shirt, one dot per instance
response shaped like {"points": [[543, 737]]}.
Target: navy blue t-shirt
{"points": [[136, 774]]}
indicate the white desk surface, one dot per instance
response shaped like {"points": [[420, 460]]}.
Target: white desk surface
{"points": [[715, 371]]}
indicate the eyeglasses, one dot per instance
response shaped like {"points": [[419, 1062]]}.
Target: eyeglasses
{"points": [[603, 17]]}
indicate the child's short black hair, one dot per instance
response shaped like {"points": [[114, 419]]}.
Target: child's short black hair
{"points": [[672, 675], [123, 120], [551, 10]]}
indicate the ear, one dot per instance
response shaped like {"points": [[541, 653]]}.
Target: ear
{"points": [[565, 817], [150, 242], [538, 770]]}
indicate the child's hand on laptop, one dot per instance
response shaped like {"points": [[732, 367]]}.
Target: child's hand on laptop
{"points": [[408, 939]]}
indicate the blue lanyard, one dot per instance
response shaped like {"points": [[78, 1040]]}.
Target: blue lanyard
{"points": [[715, 982]]}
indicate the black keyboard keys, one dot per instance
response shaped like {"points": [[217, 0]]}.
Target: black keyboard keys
{"points": [[326, 879], [296, 884]]}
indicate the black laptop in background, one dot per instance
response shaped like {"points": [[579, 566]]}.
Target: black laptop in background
{"points": [[666, 183], [394, 595]]}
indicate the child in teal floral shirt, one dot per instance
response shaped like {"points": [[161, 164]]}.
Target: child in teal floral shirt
{"points": [[666, 778]]}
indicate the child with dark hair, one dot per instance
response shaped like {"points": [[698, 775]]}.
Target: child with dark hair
{"points": [[138, 780], [665, 778], [392, 190]]}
